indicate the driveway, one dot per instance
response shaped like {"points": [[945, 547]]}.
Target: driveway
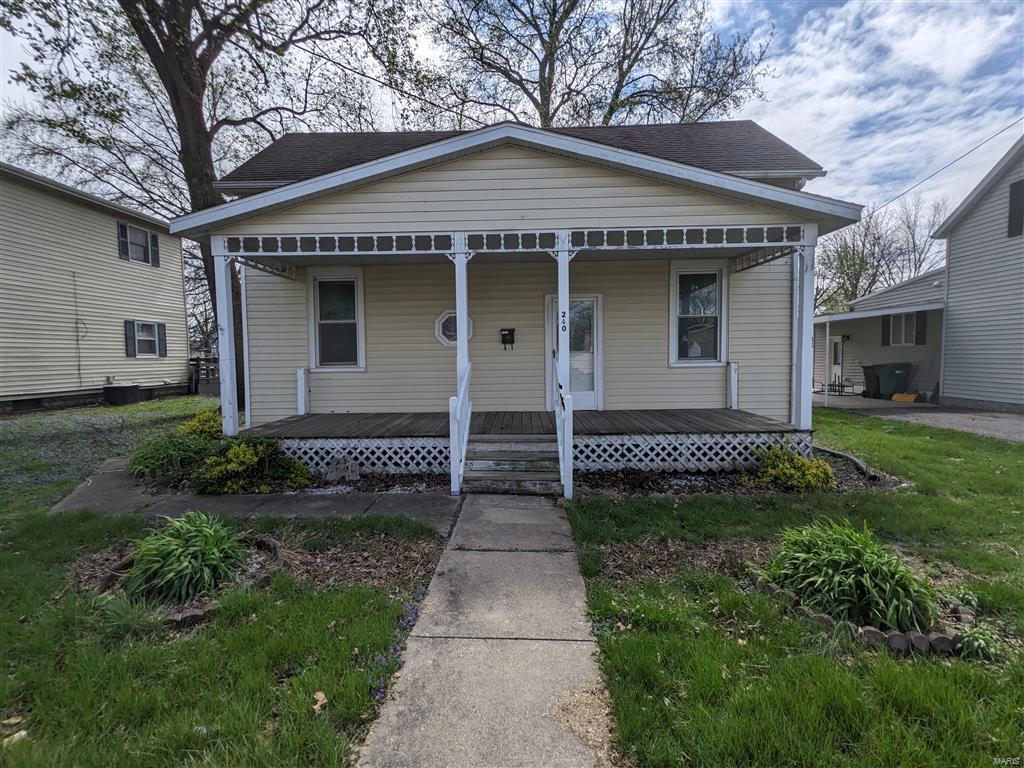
{"points": [[1005, 426]]}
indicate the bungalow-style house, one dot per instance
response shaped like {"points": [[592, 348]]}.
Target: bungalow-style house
{"points": [[511, 303], [960, 327], [91, 294]]}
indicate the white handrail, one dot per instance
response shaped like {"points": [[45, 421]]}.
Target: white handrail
{"points": [[460, 413], [563, 427]]}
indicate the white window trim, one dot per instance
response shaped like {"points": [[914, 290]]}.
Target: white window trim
{"points": [[901, 317], [156, 338], [698, 267], [437, 328], [313, 275], [148, 261]]}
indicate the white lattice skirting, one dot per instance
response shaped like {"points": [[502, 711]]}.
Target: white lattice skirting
{"points": [[657, 453], [681, 453], [386, 456]]}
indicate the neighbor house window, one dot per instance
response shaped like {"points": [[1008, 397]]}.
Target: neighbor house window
{"points": [[904, 330], [138, 244], [143, 338], [1015, 225], [336, 315], [697, 330]]}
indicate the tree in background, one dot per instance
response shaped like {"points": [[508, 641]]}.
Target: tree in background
{"points": [[146, 102], [583, 62], [887, 246]]}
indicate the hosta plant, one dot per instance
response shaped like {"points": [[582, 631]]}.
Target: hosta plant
{"points": [[189, 556], [980, 642], [845, 572]]}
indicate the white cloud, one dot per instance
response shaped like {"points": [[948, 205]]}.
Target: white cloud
{"points": [[884, 94]]}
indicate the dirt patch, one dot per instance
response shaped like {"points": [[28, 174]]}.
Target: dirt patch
{"points": [[374, 560], [587, 713], [635, 482], [659, 559]]}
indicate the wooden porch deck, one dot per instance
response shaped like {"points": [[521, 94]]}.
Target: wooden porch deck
{"points": [[633, 422]]}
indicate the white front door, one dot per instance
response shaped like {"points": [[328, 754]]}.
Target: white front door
{"points": [[584, 351], [837, 363]]}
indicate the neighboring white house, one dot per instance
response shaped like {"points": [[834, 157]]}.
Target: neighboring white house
{"points": [[961, 326], [657, 281], [89, 291]]}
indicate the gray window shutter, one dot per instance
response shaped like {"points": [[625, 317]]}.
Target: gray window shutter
{"points": [[1015, 222], [886, 329], [920, 328], [161, 339], [154, 249], [122, 240], [129, 338]]}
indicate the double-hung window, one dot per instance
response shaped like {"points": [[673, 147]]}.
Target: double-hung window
{"points": [[143, 338], [904, 330], [138, 244], [697, 324], [336, 321]]}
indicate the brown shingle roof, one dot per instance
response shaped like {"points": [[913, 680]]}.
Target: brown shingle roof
{"points": [[732, 146]]}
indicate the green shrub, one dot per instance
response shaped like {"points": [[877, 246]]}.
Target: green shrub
{"points": [[171, 459], [247, 465], [190, 555], [980, 642], [203, 424], [787, 470], [964, 596], [844, 572]]}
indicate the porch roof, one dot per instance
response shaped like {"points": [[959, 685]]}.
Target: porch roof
{"points": [[828, 212], [878, 312], [540, 423]]}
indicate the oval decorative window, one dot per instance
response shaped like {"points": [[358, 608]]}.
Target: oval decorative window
{"points": [[446, 328]]}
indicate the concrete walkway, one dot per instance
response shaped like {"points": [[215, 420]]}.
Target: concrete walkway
{"points": [[113, 491], [501, 650]]}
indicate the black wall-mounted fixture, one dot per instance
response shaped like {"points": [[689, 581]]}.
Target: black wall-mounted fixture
{"points": [[508, 338]]}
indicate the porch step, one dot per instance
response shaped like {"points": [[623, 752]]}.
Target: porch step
{"points": [[512, 464], [518, 482]]}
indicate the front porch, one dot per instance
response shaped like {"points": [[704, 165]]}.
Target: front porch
{"points": [[677, 439]]}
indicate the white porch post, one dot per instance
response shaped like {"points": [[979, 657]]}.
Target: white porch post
{"points": [[563, 256], [805, 330], [460, 409], [460, 258], [225, 338], [828, 359]]}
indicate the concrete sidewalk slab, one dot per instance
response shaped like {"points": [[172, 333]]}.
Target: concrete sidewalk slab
{"points": [[510, 523], [436, 509], [316, 505], [483, 703], [111, 490], [533, 595]]}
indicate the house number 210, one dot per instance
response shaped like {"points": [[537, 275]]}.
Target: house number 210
{"points": [[565, 326]]}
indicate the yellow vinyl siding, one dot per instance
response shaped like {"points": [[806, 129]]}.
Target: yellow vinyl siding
{"points": [[407, 369], [509, 188], [65, 294]]}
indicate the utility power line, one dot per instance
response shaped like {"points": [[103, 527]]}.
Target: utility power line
{"points": [[951, 162]]}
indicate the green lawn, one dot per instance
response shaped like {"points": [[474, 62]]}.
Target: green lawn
{"points": [[704, 671], [107, 690]]}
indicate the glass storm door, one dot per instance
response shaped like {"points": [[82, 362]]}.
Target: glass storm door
{"points": [[584, 351]]}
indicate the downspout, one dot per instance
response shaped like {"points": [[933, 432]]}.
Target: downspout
{"points": [[794, 325]]}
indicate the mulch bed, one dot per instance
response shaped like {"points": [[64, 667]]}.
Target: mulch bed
{"points": [[658, 559], [635, 482], [407, 483], [369, 559]]}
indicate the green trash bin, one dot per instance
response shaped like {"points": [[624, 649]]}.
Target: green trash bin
{"points": [[893, 378]]}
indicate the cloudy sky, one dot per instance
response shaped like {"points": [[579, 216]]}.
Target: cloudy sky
{"points": [[884, 93], [880, 93]]}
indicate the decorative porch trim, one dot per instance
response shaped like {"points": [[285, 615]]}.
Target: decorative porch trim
{"points": [[711, 452], [388, 456]]}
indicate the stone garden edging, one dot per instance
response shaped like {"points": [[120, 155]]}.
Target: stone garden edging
{"points": [[938, 642]]}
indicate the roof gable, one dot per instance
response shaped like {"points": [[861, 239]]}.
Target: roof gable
{"points": [[739, 147], [974, 197], [830, 213]]}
